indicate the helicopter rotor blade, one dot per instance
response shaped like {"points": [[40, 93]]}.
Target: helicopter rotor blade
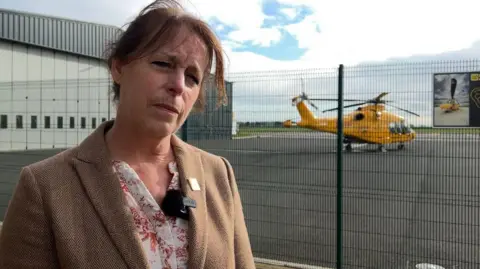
{"points": [[332, 109], [377, 100], [304, 96], [303, 86], [408, 111], [380, 96], [311, 103], [357, 104], [453, 86], [336, 99]]}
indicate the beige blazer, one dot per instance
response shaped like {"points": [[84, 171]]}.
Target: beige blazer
{"points": [[67, 212]]}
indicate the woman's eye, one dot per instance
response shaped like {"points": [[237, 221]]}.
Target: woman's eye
{"points": [[194, 79], [168, 65], [161, 64]]}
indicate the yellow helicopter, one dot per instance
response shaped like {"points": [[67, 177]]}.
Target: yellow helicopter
{"points": [[368, 124], [452, 104]]}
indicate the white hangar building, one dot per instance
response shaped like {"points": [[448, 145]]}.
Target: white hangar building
{"points": [[54, 85]]}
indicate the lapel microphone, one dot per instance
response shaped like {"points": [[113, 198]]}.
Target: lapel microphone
{"points": [[175, 204]]}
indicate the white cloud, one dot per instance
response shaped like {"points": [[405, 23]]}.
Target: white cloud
{"points": [[307, 32], [289, 12], [246, 16], [264, 37], [352, 31]]}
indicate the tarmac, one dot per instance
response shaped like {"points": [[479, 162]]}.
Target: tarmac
{"points": [[459, 118], [400, 208]]}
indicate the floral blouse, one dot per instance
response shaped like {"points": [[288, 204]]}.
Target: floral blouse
{"points": [[164, 238]]}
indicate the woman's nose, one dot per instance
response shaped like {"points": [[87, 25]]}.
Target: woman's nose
{"points": [[177, 82]]}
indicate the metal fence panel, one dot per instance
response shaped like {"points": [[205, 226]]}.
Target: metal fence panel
{"points": [[400, 206], [212, 122], [417, 203]]}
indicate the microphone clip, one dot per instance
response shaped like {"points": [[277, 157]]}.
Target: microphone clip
{"points": [[175, 204]]}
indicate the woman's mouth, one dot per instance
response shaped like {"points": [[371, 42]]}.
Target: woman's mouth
{"points": [[168, 108]]}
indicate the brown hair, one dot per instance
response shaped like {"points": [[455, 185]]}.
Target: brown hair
{"points": [[156, 25]]}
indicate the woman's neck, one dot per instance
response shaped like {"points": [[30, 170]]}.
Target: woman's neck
{"points": [[131, 147]]}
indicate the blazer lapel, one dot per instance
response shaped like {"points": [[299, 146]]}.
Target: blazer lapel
{"points": [[104, 190], [190, 166]]}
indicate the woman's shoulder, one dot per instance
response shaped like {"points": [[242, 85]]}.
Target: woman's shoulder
{"points": [[56, 166], [211, 159], [218, 173]]}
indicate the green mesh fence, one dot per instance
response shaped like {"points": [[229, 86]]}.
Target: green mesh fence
{"points": [[396, 189]]}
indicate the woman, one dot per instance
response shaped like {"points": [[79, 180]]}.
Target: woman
{"points": [[99, 205]]}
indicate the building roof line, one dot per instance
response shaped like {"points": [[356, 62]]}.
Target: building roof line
{"points": [[55, 17], [58, 34], [64, 35]]}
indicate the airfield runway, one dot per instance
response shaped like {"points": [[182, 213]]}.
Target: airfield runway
{"points": [[401, 208]]}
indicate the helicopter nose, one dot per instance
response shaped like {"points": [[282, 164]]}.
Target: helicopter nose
{"points": [[288, 123]]}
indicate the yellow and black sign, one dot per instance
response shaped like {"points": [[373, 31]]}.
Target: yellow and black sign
{"points": [[456, 99]]}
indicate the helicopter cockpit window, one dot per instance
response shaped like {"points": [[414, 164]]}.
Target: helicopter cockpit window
{"points": [[398, 127], [392, 127], [405, 128]]}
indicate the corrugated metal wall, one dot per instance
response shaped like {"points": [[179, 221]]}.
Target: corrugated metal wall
{"points": [[213, 123], [88, 39], [81, 38], [45, 95]]}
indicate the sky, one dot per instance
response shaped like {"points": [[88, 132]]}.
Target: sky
{"points": [[443, 88], [380, 42]]}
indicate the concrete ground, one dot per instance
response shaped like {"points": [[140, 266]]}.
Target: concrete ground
{"points": [[269, 266], [400, 208], [458, 118]]}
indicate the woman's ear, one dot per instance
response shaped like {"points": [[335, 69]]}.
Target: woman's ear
{"points": [[116, 70]]}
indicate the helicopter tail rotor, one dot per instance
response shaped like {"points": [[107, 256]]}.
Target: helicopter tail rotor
{"points": [[304, 97]]}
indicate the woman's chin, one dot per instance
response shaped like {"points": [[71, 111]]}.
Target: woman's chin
{"points": [[161, 128]]}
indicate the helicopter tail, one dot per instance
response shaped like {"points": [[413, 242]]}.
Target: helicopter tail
{"points": [[306, 114]]}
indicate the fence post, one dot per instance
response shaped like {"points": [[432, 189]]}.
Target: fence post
{"points": [[339, 168]]}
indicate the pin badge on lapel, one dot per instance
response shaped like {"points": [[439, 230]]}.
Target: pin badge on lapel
{"points": [[194, 184]]}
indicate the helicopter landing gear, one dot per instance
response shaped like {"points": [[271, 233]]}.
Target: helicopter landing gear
{"points": [[348, 148], [401, 146], [381, 148]]}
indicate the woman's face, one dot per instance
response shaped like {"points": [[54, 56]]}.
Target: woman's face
{"points": [[157, 92]]}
